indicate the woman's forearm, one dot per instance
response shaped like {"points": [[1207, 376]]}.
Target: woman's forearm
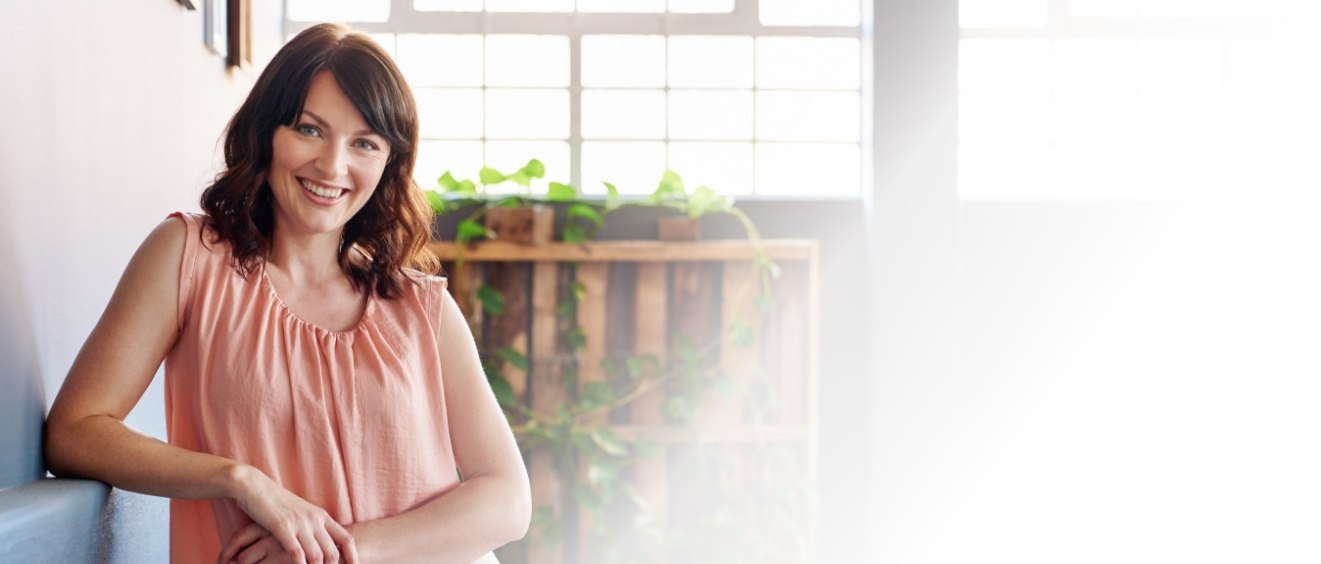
{"points": [[459, 527], [103, 448]]}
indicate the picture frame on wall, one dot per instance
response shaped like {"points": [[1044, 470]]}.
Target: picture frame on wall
{"points": [[226, 30]]}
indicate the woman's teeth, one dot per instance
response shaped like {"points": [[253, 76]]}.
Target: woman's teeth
{"points": [[329, 193]]}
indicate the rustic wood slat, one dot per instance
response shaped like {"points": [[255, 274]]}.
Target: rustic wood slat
{"points": [[649, 336], [509, 329], [547, 394], [592, 315], [633, 251]]}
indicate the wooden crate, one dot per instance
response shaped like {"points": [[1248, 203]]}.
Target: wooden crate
{"points": [[736, 483]]}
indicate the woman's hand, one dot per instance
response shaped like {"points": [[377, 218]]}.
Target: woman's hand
{"points": [[253, 544], [298, 529]]}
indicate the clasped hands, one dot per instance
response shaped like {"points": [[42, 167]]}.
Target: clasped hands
{"points": [[285, 528]]}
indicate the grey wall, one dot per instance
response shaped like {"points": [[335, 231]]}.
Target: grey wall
{"points": [[111, 113]]}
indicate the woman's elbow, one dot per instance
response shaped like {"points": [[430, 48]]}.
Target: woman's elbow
{"points": [[520, 511]]}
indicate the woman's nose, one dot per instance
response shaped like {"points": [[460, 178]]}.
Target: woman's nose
{"points": [[333, 159]]}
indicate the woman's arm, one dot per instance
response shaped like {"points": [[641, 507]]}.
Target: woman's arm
{"points": [[493, 505], [85, 431]]}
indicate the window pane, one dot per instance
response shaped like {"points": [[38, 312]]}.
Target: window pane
{"points": [[723, 167], [1096, 116], [808, 116], [1000, 171], [440, 60], [996, 116], [527, 114], [815, 12], [1096, 64], [1275, 8], [386, 41], [1275, 65], [1167, 65], [339, 10], [636, 61], [715, 114], [634, 167], [529, 5], [1083, 171], [527, 60], [447, 5], [461, 158], [622, 7], [450, 112], [701, 6], [1181, 8], [623, 114], [1103, 8], [507, 156], [806, 170], [1177, 169], [1183, 117], [698, 61], [808, 62], [1005, 64], [1002, 13]]}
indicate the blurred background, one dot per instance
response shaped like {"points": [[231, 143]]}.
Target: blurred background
{"points": [[1065, 252]]}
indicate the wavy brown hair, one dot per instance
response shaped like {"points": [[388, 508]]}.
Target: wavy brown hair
{"points": [[391, 231]]}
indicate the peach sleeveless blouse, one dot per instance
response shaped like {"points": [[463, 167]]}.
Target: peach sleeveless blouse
{"points": [[351, 421]]}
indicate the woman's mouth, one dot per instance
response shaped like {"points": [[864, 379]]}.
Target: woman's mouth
{"points": [[324, 192]]}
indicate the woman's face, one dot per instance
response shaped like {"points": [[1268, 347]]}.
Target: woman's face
{"points": [[326, 166]]}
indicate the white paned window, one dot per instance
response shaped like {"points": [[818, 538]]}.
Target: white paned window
{"points": [[753, 100], [1145, 99], [625, 61], [623, 114], [338, 10]]}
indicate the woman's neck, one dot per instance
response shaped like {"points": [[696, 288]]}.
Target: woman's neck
{"points": [[306, 259]]}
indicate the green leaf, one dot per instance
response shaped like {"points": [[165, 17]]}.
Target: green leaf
{"points": [[574, 233], [469, 229], [453, 186], [509, 202], [574, 339], [740, 333], [534, 169], [611, 197], [678, 408], [587, 497], [558, 192], [489, 175], [670, 187], [438, 203], [493, 302], [504, 393], [514, 358], [566, 308], [578, 291], [595, 395], [586, 212], [609, 443], [704, 200]]}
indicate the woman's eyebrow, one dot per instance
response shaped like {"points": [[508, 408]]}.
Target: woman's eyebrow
{"points": [[322, 123]]}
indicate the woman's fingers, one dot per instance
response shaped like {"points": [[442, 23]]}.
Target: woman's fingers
{"points": [[258, 551], [311, 547], [329, 550], [241, 540], [348, 550]]}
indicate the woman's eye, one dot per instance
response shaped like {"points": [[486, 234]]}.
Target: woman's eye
{"points": [[308, 130], [365, 145]]}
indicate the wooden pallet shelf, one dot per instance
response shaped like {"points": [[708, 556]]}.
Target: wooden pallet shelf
{"points": [[654, 298]]}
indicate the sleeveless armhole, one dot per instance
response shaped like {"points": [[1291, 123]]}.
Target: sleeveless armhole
{"points": [[187, 267]]}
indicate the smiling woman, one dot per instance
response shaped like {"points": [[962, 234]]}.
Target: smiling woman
{"points": [[324, 396]]}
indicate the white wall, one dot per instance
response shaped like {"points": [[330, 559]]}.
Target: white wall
{"points": [[112, 114], [1081, 382]]}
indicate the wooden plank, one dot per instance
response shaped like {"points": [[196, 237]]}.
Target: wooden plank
{"points": [[592, 315], [548, 394], [510, 328], [634, 251], [738, 353], [649, 337]]}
